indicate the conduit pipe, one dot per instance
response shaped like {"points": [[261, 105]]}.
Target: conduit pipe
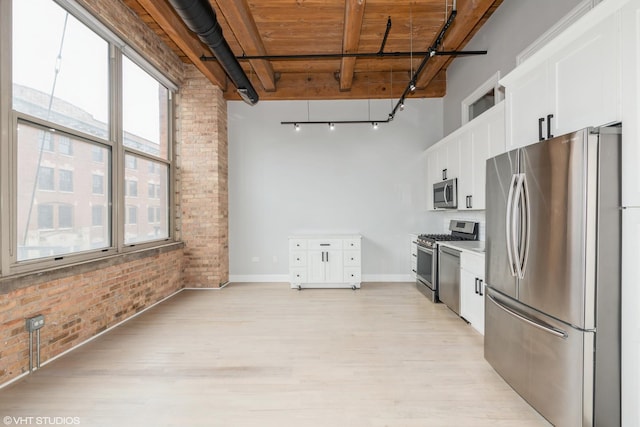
{"points": [[199, 17]]}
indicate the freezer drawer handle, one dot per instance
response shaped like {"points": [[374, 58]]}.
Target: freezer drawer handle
{"points": [[547, 328]]}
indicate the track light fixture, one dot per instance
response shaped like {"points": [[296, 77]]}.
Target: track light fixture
{"points": [[296, 126], [332, 126], [375, 125]]}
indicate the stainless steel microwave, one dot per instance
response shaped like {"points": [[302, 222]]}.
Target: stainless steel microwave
{"points": [[445, 194]]}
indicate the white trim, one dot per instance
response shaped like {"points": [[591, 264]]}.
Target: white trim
{"points": [[259, 278], [491, 83], [564, 23], [387, 278], [284, 278], [88, 340]]}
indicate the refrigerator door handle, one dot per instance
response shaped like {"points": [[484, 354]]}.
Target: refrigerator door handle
{"points": [[536, 323], [509, 220], [520, 224]]}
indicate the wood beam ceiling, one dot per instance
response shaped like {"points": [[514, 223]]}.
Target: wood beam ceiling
{"points": [[187, 41], [470, 12], [353, 17], [244, 28]]}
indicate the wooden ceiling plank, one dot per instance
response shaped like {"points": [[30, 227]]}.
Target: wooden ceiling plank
{"points": [[373, 85], [243, 26], [187, 41], [353, 17], [470, 12]]}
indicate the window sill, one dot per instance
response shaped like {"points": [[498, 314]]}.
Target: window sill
{"points": [[24, 280]]}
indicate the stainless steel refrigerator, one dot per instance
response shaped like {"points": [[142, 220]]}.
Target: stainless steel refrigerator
{"points": [[552, 306]]}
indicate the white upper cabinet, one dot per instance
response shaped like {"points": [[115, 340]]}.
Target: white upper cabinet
{"points": [[480, 140], [571, 83], [631, 104]]}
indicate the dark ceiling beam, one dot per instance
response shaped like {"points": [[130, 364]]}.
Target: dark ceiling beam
{"points": [[470, 12], [186, 40], [243, 26], [353, 16]]}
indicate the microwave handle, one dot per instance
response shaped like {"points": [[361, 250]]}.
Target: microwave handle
{"points": [[446, 186]]}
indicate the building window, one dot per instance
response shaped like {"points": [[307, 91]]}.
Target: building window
{"points": [[97, 184], [131, 162], [97, 215], [65, 216], [65, 146], [45, 178], [66, 180], [45, 217], [132, 215], [97, 154], [46, 143], [131, 188]]}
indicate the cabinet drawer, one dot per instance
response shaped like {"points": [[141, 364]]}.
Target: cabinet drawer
{"points": [[472, 263], [298, 275], [297, 244], [352, 275], [351, 243], [325, 244], [351, 258], [297, 259]]}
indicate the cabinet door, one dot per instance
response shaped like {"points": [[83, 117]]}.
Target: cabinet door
{"points": [[316, 265], [467, 295], [631, 105], [334, 267], [432, 176], [467, 174], [527, 100], [585, 79]]}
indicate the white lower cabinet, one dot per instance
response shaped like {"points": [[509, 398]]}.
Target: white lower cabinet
{"points": [[325, 261], [413, 256], [472, 289]]}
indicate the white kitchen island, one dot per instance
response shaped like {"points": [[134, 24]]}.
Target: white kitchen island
{"points": [[325, 261]]}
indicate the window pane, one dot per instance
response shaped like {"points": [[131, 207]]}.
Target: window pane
{"points": [[97, 184], [66, 180], [155, 224], [97, 216], [485, 102], [54, 55], [53, 222], [145, 111]]}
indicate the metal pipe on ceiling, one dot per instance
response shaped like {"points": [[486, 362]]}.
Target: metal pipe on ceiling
{"points": [[200, 18]]}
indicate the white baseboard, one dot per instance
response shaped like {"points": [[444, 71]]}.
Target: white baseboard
{"points": [[259, 278], [284, 278]]}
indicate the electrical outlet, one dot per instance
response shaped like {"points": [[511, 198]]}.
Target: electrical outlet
{"points": [[35, 323]]}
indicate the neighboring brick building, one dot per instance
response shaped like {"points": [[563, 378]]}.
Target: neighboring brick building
{"points": [[81, 301]]}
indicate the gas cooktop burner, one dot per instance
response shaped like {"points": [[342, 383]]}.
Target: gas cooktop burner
{"points": [[461, 230]]}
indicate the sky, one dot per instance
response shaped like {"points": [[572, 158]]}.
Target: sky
{"points": [[83, 67]]}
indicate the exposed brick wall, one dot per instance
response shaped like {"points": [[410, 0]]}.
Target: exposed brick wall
{"points": [[202, 130], [77, 307]]}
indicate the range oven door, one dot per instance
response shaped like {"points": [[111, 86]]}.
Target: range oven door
{"points": [[426, 273]]}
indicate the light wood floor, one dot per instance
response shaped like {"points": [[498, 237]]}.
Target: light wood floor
{"points": [[265, 355]]}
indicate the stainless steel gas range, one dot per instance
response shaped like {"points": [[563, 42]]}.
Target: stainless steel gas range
{"points": [[427, 265]]}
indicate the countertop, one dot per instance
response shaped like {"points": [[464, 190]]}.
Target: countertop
{"points": [[475, 246]]}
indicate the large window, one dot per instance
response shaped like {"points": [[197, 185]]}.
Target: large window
{"points": [[42, 230], [92, 141]]}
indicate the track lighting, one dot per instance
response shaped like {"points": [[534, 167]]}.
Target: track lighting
{"points": [[296, 126], [412, 86], [402, 106], [375, 125], [332, 126]]}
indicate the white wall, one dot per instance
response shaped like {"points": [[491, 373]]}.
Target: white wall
{"points": [[513, 26], [353, 179]]}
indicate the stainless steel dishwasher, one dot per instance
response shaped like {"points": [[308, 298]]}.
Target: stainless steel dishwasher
{"points": [[449, 277]]}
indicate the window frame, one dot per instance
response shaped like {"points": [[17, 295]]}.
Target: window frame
{"points": [[114, 215], [492, 82]]}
